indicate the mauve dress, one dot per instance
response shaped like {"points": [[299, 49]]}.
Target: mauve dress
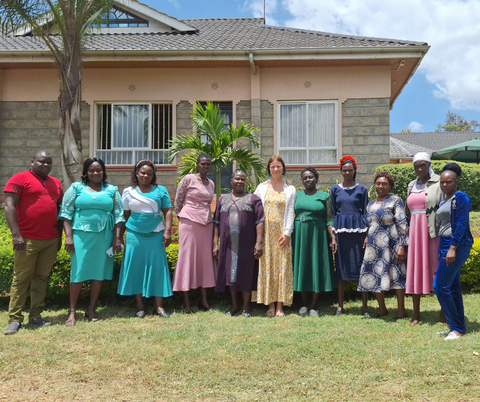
{"points": [[422, 259], [237, 221], [195, 265]]}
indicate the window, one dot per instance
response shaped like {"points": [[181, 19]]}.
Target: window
{"points": [[117, 18], [126, 133], [308, 132]]}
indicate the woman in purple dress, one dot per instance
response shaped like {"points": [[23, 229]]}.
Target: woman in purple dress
{"points": [[239, 222], [195, 265], [349, 203]]}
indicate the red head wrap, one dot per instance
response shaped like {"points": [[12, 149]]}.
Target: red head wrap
{"points": [[348, 158]]}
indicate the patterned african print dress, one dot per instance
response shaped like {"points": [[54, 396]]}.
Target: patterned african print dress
{"points": [[237, 221], [388, 230], [275, 274]]}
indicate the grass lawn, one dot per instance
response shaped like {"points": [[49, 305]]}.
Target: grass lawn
{"points": [[212, 357]]}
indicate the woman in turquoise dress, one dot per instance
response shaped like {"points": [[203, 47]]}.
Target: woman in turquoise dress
{"points": [[312, 256], [144, 269], [92, 218]]}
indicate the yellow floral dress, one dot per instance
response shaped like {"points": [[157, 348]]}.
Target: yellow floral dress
{"points": [[275, 273]]}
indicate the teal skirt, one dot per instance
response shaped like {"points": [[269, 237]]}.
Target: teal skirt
{"points": [[90, 261], [144, 266]]}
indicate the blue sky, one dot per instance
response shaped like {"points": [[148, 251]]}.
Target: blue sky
{"points": [[447, 79]]}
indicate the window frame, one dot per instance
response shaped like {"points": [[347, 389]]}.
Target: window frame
{"points": [[307, 148], [150, 131]]}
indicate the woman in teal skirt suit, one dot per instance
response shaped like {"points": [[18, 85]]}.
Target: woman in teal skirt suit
{"points": [[92, 218], [312, 253], [144, 269]]}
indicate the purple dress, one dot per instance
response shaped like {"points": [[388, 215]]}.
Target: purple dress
{"points": [[348, 207], [238, 219]]}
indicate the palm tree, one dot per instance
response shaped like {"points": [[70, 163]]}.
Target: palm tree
{"points": [[62, 25], [216, 140]]}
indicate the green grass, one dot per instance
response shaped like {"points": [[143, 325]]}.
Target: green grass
{"points": [[212, 357], [475, 223]]}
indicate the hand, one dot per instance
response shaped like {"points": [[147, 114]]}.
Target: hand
{"points": [[215, 251], [365, 243], [18, 243], [258, 250], [283, 241], [400, 254], [69, 246], [451, 255], [167, 239], [117, 245], [333, 245]]}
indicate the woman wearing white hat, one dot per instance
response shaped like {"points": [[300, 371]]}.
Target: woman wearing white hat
{"points": [[424, 196]]}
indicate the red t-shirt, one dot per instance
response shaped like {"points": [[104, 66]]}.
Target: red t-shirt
{"points": [[37, 208]]}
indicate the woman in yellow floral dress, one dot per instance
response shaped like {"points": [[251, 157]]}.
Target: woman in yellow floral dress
{"points": [[275, 273]]}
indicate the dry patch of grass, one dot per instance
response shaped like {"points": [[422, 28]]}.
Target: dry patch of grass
{"points": [[475, 224], [212, 357]]}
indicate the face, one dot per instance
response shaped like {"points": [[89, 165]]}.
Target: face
{"points": [[145, 175], [204, 166], [348, 171], [422, 168], [276, 169], [238, 183], [309, 180], [448, 183], [42, 165], [95, 173], [382, 185]]}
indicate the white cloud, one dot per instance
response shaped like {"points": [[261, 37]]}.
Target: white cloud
{"points": [[450, 27], [415, 126], [174, 3], [256, 8]]}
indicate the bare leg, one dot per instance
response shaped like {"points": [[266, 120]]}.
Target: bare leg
{"points": [[364, 302], [159, 304], [139, 300], [203, 298], [400, 293], [95, 293], [314, 303], [186, 301], [271, 310], [382, 309], [341, 295], [233, 294], [246, 301], [75, 289], [279, 312], [304, 299], [416, 309]]}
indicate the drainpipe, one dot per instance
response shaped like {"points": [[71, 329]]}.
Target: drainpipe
{"points": [[252, 64]]}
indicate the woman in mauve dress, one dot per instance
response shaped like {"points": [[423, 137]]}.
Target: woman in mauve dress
{"points": [[349, 203], [195, 265], [424, 196], [238, 223]]}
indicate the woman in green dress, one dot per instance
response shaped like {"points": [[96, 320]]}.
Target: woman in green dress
{"points": [[92, 215], [312, 256]]}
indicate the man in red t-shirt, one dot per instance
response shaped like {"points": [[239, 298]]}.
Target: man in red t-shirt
{"points": [[32, 200]]}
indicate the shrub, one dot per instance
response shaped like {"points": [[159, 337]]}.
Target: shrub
{"points": [[405, 173], [470, 273], [172, 255]]}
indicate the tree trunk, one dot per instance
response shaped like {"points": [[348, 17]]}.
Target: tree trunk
{"points": [[218, 187]]}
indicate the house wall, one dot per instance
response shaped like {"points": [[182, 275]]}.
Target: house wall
{"points": [[28, 109]]}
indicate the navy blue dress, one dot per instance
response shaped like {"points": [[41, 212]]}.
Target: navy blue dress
{"points": [[348, 208]]}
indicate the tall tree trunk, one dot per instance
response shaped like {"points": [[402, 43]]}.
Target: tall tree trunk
{"points": [[218, 187]]}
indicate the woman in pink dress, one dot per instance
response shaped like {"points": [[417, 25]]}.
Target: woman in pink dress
{"points": [[424, 196], [195, 265]]}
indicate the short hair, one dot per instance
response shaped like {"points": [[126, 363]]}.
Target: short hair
{"points": [[453, 167], [136, 169], [277, 158], [238, 171], [40, 152], [87, 164], [311, 170], [387, 175], [203, 156]]}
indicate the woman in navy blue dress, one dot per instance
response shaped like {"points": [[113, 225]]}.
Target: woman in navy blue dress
{"points": [[349, 203]]}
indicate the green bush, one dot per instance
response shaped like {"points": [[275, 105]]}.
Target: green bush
{"points": [[405, 173], [470, 273]]}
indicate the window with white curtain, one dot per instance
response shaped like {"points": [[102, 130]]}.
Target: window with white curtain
{"points": [[126, 133], [308, 132]]}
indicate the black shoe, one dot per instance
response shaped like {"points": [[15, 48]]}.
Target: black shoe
{"points": [[39, 322], [13, 328]]}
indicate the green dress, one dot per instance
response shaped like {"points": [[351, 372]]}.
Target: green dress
{"points": [[312, 257]]}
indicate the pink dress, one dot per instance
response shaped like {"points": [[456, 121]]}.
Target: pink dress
{"points": [[196, 266], [422, 259]]}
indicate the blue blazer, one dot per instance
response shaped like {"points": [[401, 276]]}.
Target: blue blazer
{"points": [[459, 220]]}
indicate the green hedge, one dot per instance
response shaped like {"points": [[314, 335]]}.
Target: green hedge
{"points": [[405, 173]]}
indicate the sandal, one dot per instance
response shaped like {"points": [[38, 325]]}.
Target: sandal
{"points": [[94, 318], [271, 313], [279, 314], [71, 321], [415, 322]]}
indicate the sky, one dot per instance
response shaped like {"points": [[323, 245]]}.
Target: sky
{"points": [[448, 77]]}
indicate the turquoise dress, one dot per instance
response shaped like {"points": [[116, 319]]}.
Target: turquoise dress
{"points": [[93, 216], [144, 266]]}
